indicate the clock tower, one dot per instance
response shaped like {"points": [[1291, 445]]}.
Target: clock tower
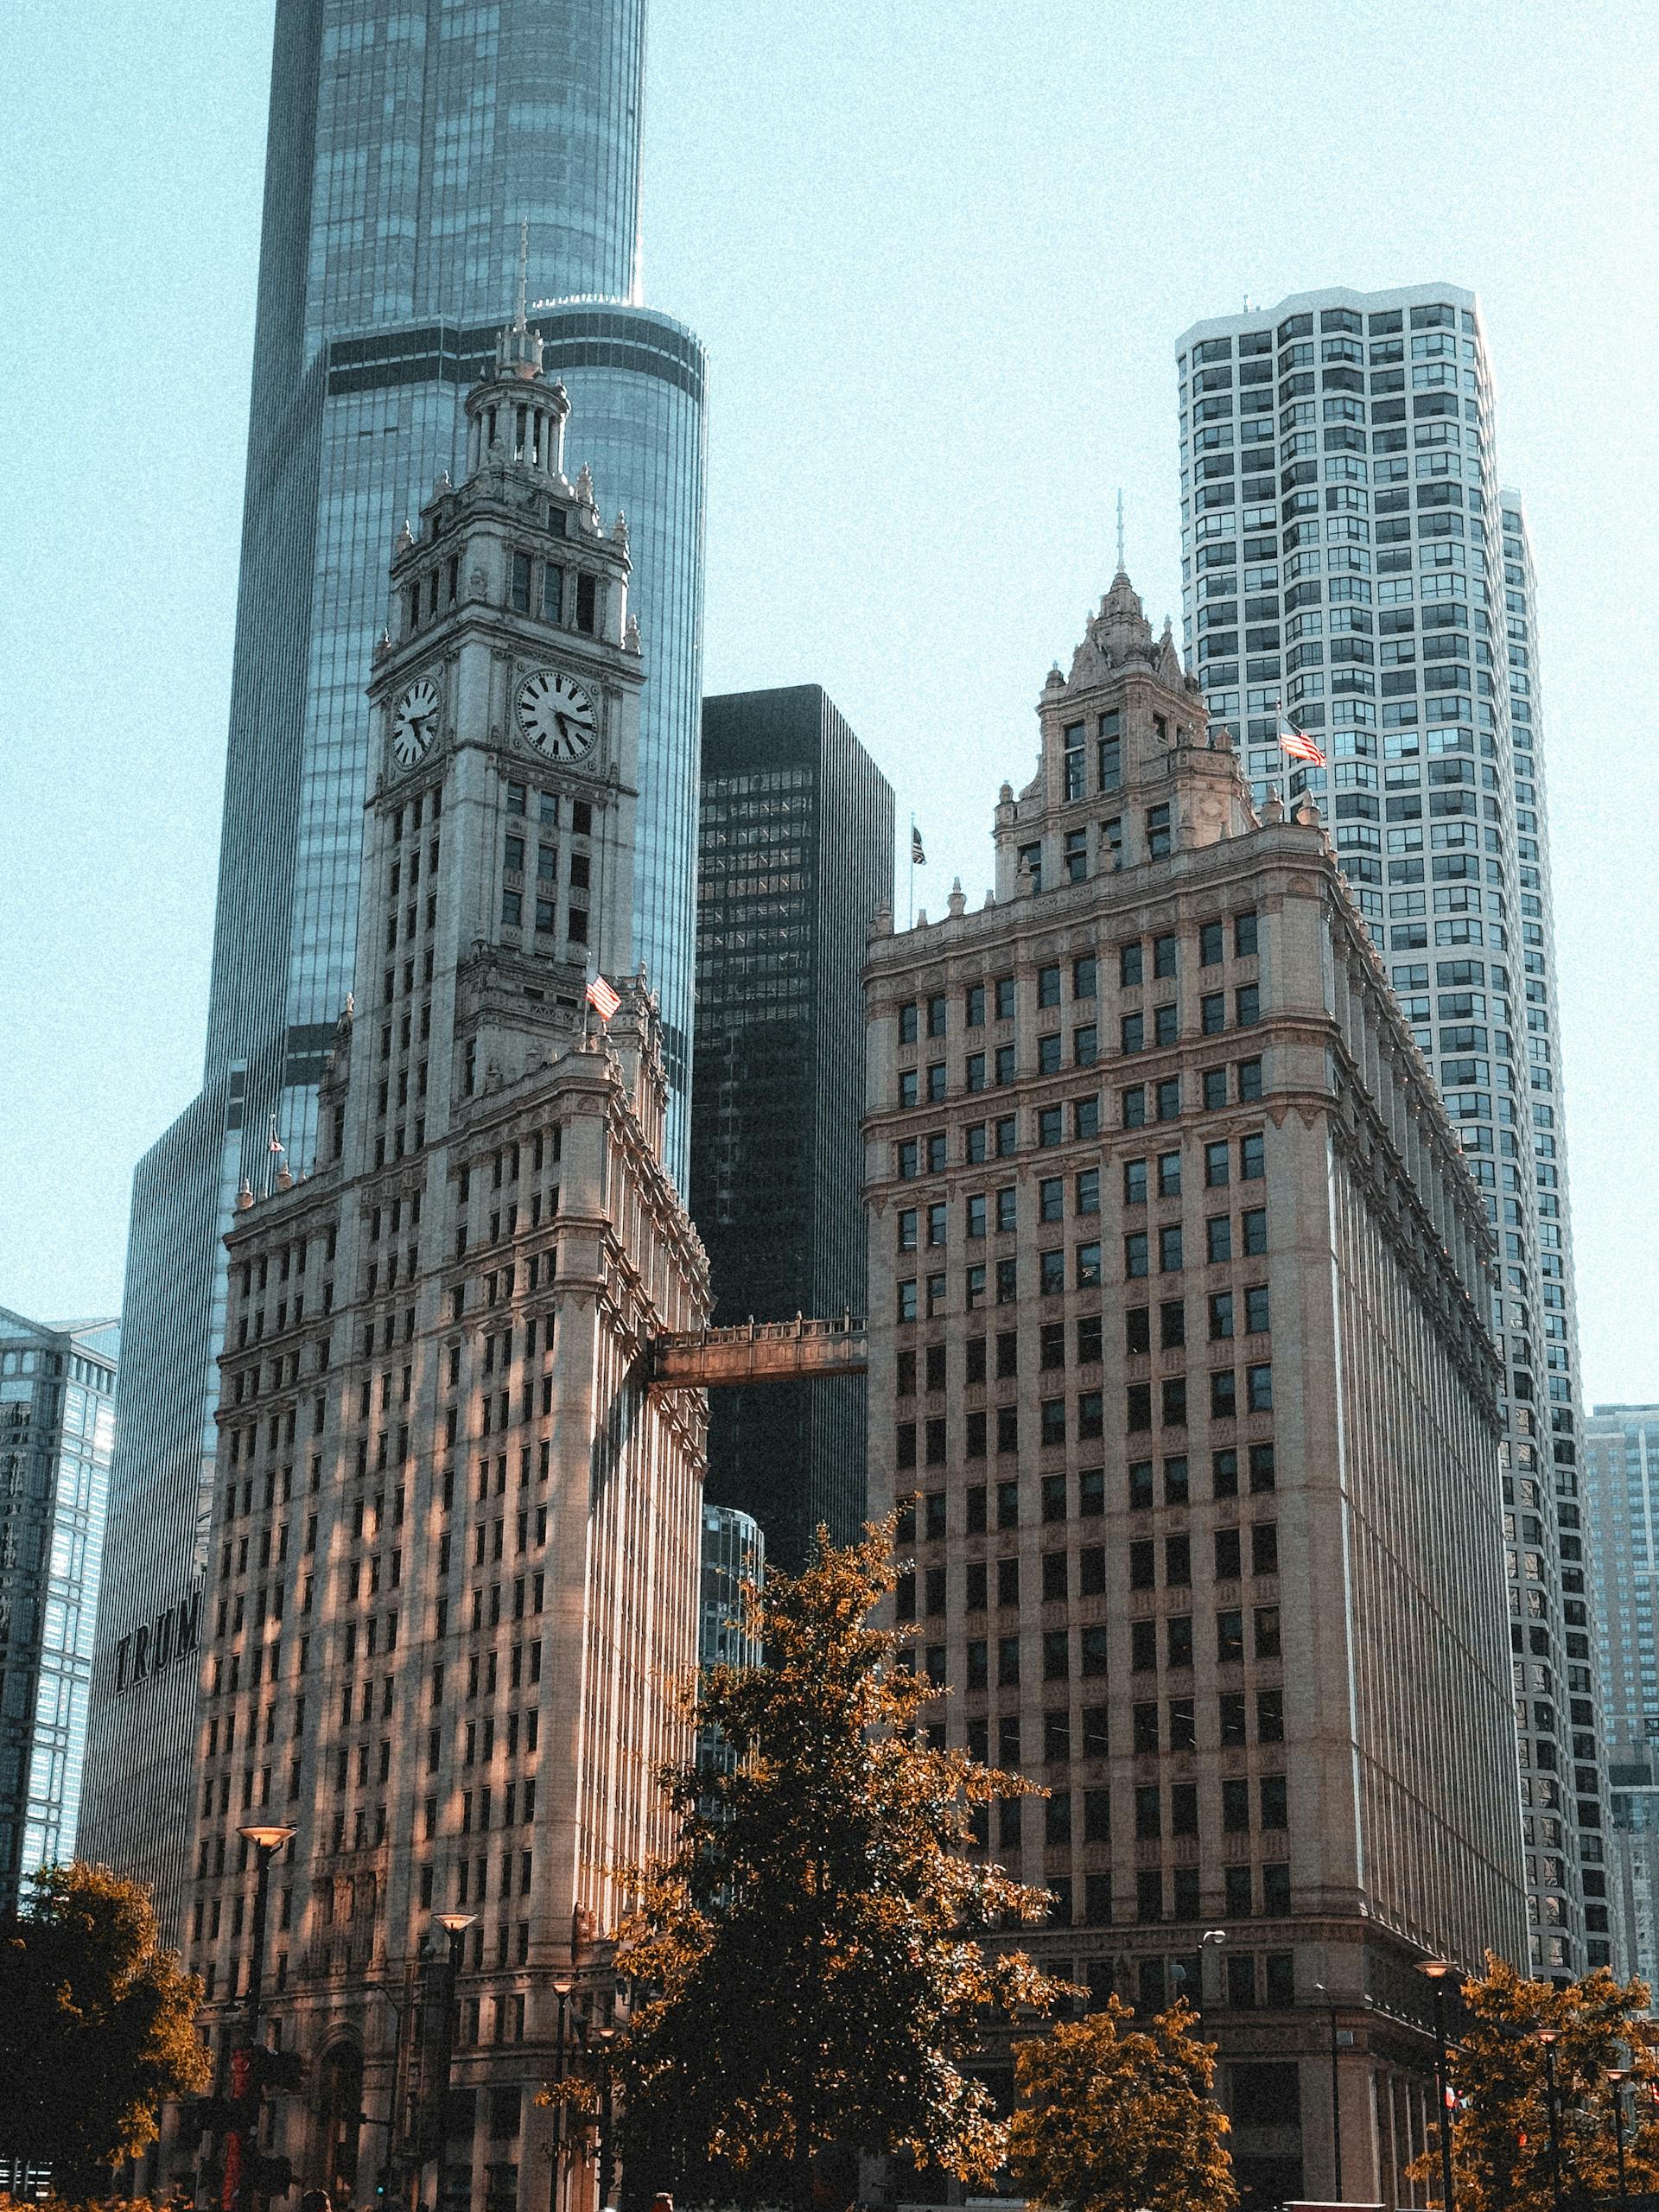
{"points": [[478, 1543], [499, 852]]}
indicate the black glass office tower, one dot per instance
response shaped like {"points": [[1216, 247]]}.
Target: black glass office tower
{"points": [[409, 149], [795, 855]]}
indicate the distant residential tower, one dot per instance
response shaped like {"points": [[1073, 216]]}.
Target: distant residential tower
{"points": [[1348, 552]]}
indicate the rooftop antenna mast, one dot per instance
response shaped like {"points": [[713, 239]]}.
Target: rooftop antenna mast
{"points": [[524, 270], [1122, 571]]}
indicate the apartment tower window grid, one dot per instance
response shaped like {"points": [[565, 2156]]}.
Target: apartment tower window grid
{"points": [[1349, 560], [1621, 1511]]}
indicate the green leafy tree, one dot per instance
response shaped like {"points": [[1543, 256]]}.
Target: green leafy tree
{"points": [[1113, 2118], [820, 1954], [97, 2026], [1500, 2133]]}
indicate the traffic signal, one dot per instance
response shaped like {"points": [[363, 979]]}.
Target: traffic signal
{"points": [[277, 2073], [202, 2116]]}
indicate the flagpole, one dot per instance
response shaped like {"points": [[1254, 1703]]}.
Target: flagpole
{"points": [[912, 871]]}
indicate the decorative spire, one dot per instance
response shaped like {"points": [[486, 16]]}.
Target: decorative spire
{"points": [[1121, 570], [519, 348], [585, 486]]}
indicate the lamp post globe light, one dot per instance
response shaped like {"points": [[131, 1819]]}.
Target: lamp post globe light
{"points": [[1439, 1971], [454, 1926], [247, 2177], [267, 1839]]}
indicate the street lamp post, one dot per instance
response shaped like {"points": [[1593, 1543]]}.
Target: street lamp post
{"points": [[563, 1985], [603, 2037], [1336, 2093], [1549, 2037], [454, 1926], [267, 1841], [1617, 2077], [1438, 1971]]}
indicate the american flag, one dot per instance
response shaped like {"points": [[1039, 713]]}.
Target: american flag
{"points": [[603, 999], [1297, 744], [276, 1144]]}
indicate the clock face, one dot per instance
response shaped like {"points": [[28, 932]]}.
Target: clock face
{"points": [[556, 716], [415, 722]]}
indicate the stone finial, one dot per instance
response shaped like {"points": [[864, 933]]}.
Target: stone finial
{"points": [[883, 923], [245, 1196], [1273, 810], [921, 917], [442, 485], [585, 486], [957, 903], [285, 1179], [990, 900], [631, 635], [382, 645], [620, 531], [405, 538], [1305, 813], [1054, 680]]}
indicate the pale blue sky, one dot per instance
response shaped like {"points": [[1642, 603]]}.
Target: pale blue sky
{"points": [[939, 253]]}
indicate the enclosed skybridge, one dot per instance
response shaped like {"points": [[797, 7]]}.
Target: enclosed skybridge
{"points": [[759, 1351]]}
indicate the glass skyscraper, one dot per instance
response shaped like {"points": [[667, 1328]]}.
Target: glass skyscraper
{"points": [[796, 856], [57, 1423], [408, 153], [1349, 553]]}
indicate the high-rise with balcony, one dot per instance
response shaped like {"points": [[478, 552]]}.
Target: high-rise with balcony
{"points": [[1350, 556], [424, 168], [1621, 1511]]}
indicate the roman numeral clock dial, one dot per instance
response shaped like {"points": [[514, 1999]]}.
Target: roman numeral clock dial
{"points": [[414, 719], [556, 716]]}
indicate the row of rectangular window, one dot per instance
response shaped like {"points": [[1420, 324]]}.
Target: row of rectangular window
{"points": [[1139, 1103], [999, 1283], [1055, 1425], [1054, 1494], [999, 1067], [929, 1587], [1092, 1649], [1000, 994]]}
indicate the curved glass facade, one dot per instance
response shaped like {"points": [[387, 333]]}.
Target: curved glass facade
{"points": [[637, 418], [406, 149]]}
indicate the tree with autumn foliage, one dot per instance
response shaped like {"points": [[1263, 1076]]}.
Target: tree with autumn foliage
{"points": [[1500, 2132], [818, 1957], [97, 2026], [1114, 2118]]}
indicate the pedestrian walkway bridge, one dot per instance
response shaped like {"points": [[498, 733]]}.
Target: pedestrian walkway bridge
{"points": [[759, 1351]]}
